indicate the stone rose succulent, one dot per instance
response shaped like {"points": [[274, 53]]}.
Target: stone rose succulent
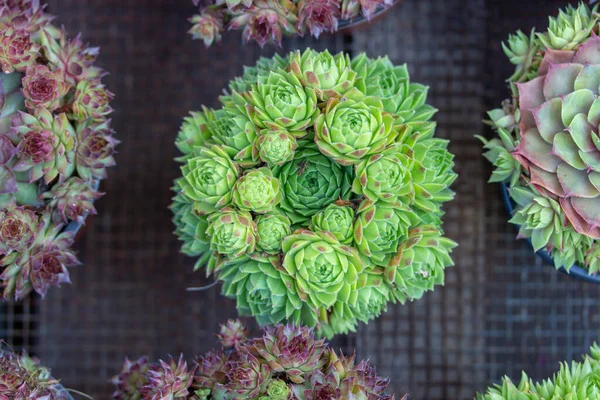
{"points": [[574, 380], [547, 149], [317, 178], [287, 362], [55, 146], [22, 377], [267, 21]]}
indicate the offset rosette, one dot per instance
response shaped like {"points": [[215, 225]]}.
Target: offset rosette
{"points": [[385, 176], [403, 99], [275, 147], [209, 178], [326, 271], [329, 75], [337, 219], [263, 289], [232, 233], [271, 230], [235, 132], [302, 189], [352, 129], [280, 101], [420, 262], [380, 228], [257, 191]]}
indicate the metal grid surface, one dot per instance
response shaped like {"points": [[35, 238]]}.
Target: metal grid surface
{"points": [[501, 310]]}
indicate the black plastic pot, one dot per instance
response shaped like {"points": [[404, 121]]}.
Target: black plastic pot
{"points": [[576, 271]]}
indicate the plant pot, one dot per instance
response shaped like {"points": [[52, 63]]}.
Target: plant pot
{"points": [[575, 271], [348, 25]]}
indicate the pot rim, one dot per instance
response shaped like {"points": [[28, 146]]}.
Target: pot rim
{"points": [[575, 271]]}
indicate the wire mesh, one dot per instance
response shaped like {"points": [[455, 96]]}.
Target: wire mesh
{"points": [[502, 309]]}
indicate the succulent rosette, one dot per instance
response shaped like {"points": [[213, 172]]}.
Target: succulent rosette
{"points": [[575, 380], [313, 197], [23, 377], [268, 21], [55, 146], [287, 362], [548, 150]]}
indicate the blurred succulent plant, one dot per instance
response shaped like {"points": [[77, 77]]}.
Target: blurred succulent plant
{"points": [[548, 148], [315, 193], [267, 21], [22, 377], [577, 380], [55, 146], [286, 362]]}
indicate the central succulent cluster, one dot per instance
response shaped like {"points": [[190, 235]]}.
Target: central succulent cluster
{"points": [[548, 149], [286, 363], [22, 377], [55, 145], [315, 192], [265, 21], [578, 381]]}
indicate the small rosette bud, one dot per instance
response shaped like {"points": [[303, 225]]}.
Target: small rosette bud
{"points": [[72, 200], [43, 88], [91, 101], [233, 333], [18, 227], [131, 379], [207, 27], [318, 16], [17, 51], [95, 150]]}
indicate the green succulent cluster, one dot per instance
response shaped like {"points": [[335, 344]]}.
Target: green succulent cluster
{"points": [[547, 138], [315, 192], [577, 381]]}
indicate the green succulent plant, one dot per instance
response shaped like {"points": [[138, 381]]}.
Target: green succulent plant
{"points": [[547, 143], [315, 192], [576, 381]]}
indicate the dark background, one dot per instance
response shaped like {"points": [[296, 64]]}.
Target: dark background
{"points": [[502, 309]]}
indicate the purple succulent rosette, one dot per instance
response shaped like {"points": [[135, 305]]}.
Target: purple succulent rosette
{"points": [[55, 146], [22, 377], [286, 363], [267, 21]]}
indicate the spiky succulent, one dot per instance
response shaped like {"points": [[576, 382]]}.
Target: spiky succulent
{"points": [[576, 381], [314, 194], [285, 363], [548, 149], [267, 21], [55, 145], [22, 377]]}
